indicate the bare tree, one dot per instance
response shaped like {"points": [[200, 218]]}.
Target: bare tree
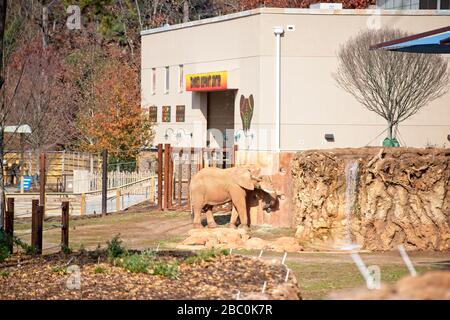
{"points": [[8, 93], [394, 85], [3, 10], [185, 11]]}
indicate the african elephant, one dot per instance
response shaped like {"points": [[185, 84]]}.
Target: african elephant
{"points": [[214, 186]]}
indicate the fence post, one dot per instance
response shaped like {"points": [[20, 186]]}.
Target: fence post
{"points": [[180, 176], [37, 219], [201, 165], [9, 221], [189, 173], [83, 204], [166, 175], [104, 181], [160, 176], [171, 180], [118, 196], [42, 179], [233, 155], [152, 189], [65, 225]]}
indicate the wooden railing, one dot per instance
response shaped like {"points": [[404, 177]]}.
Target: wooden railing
{"points": [[79, 203]]}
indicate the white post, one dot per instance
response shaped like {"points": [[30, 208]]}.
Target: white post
{"points": [[278, 31]]}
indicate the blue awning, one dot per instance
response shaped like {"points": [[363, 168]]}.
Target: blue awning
{"points": [[434, 41]]}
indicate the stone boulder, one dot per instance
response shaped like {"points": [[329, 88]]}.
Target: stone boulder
{"points": [[217, 238], [228, 238], [199, 237], [288, 244]]}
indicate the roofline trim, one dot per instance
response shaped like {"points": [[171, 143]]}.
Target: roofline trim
{"points": [[259, 11], [410, 38]]}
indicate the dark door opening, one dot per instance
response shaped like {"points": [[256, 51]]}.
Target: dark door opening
{"points": [[220, 119]]}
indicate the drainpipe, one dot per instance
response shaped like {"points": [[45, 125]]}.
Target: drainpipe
{"points": [[278, 31]]}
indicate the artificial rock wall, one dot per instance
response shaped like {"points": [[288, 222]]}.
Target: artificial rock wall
{"points": [[401, 196]]}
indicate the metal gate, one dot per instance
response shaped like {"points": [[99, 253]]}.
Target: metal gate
{"points": [[176, 166]]}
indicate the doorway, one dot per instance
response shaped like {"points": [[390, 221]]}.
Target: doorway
{"points": [[220, 119]]}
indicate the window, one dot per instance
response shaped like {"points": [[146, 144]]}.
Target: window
{"points": [[180, 113], [166, 89], [153, 85], [434, 4], [166, 114], [153, 113], [428, 4], [180, 78]]}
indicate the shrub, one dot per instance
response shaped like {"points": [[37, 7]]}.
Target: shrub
{"points": [[4, 274], [66, 249], [114, 247], [136, 263], [146, 262], [205, 255], [99, 269], [59, 269], [167, 269], [29, 250], [5, 243]]}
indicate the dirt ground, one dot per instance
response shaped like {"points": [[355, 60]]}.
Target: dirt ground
{"points": [[318, 273]]}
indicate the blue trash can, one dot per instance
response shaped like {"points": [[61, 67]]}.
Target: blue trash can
{"points": [[27, 180]]}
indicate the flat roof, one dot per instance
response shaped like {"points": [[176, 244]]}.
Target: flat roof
{"points": [[299, 11]]}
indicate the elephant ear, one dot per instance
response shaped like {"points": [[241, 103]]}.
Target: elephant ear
{"points": [[243, 178]]}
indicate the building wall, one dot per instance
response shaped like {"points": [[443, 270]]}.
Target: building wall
{"points": [[312, 104], [231, 46]]}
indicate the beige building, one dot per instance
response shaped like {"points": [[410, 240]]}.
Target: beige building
{"points": [[214, 81]]}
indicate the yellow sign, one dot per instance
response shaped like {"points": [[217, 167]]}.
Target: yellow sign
{"points": [[210, 81]]}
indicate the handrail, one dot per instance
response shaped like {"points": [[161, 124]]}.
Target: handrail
{"points": [[196, 149], [123, 186], [77, 193]]}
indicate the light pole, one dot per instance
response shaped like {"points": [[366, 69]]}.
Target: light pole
{"points": [[278, 31]]}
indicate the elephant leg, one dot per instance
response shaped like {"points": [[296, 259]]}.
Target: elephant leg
{"points": [[241, 208], [210, 218], [197, 223], [234, 216]]}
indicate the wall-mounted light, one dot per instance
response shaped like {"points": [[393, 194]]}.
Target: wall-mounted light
{"points": [[169, 133], [329, 137]]}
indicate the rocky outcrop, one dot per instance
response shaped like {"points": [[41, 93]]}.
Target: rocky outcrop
{"points": [[402, 196], [430, 286], [228, 238]]}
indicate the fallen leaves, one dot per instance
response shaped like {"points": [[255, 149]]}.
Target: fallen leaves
{"points": [[45, 277]]}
